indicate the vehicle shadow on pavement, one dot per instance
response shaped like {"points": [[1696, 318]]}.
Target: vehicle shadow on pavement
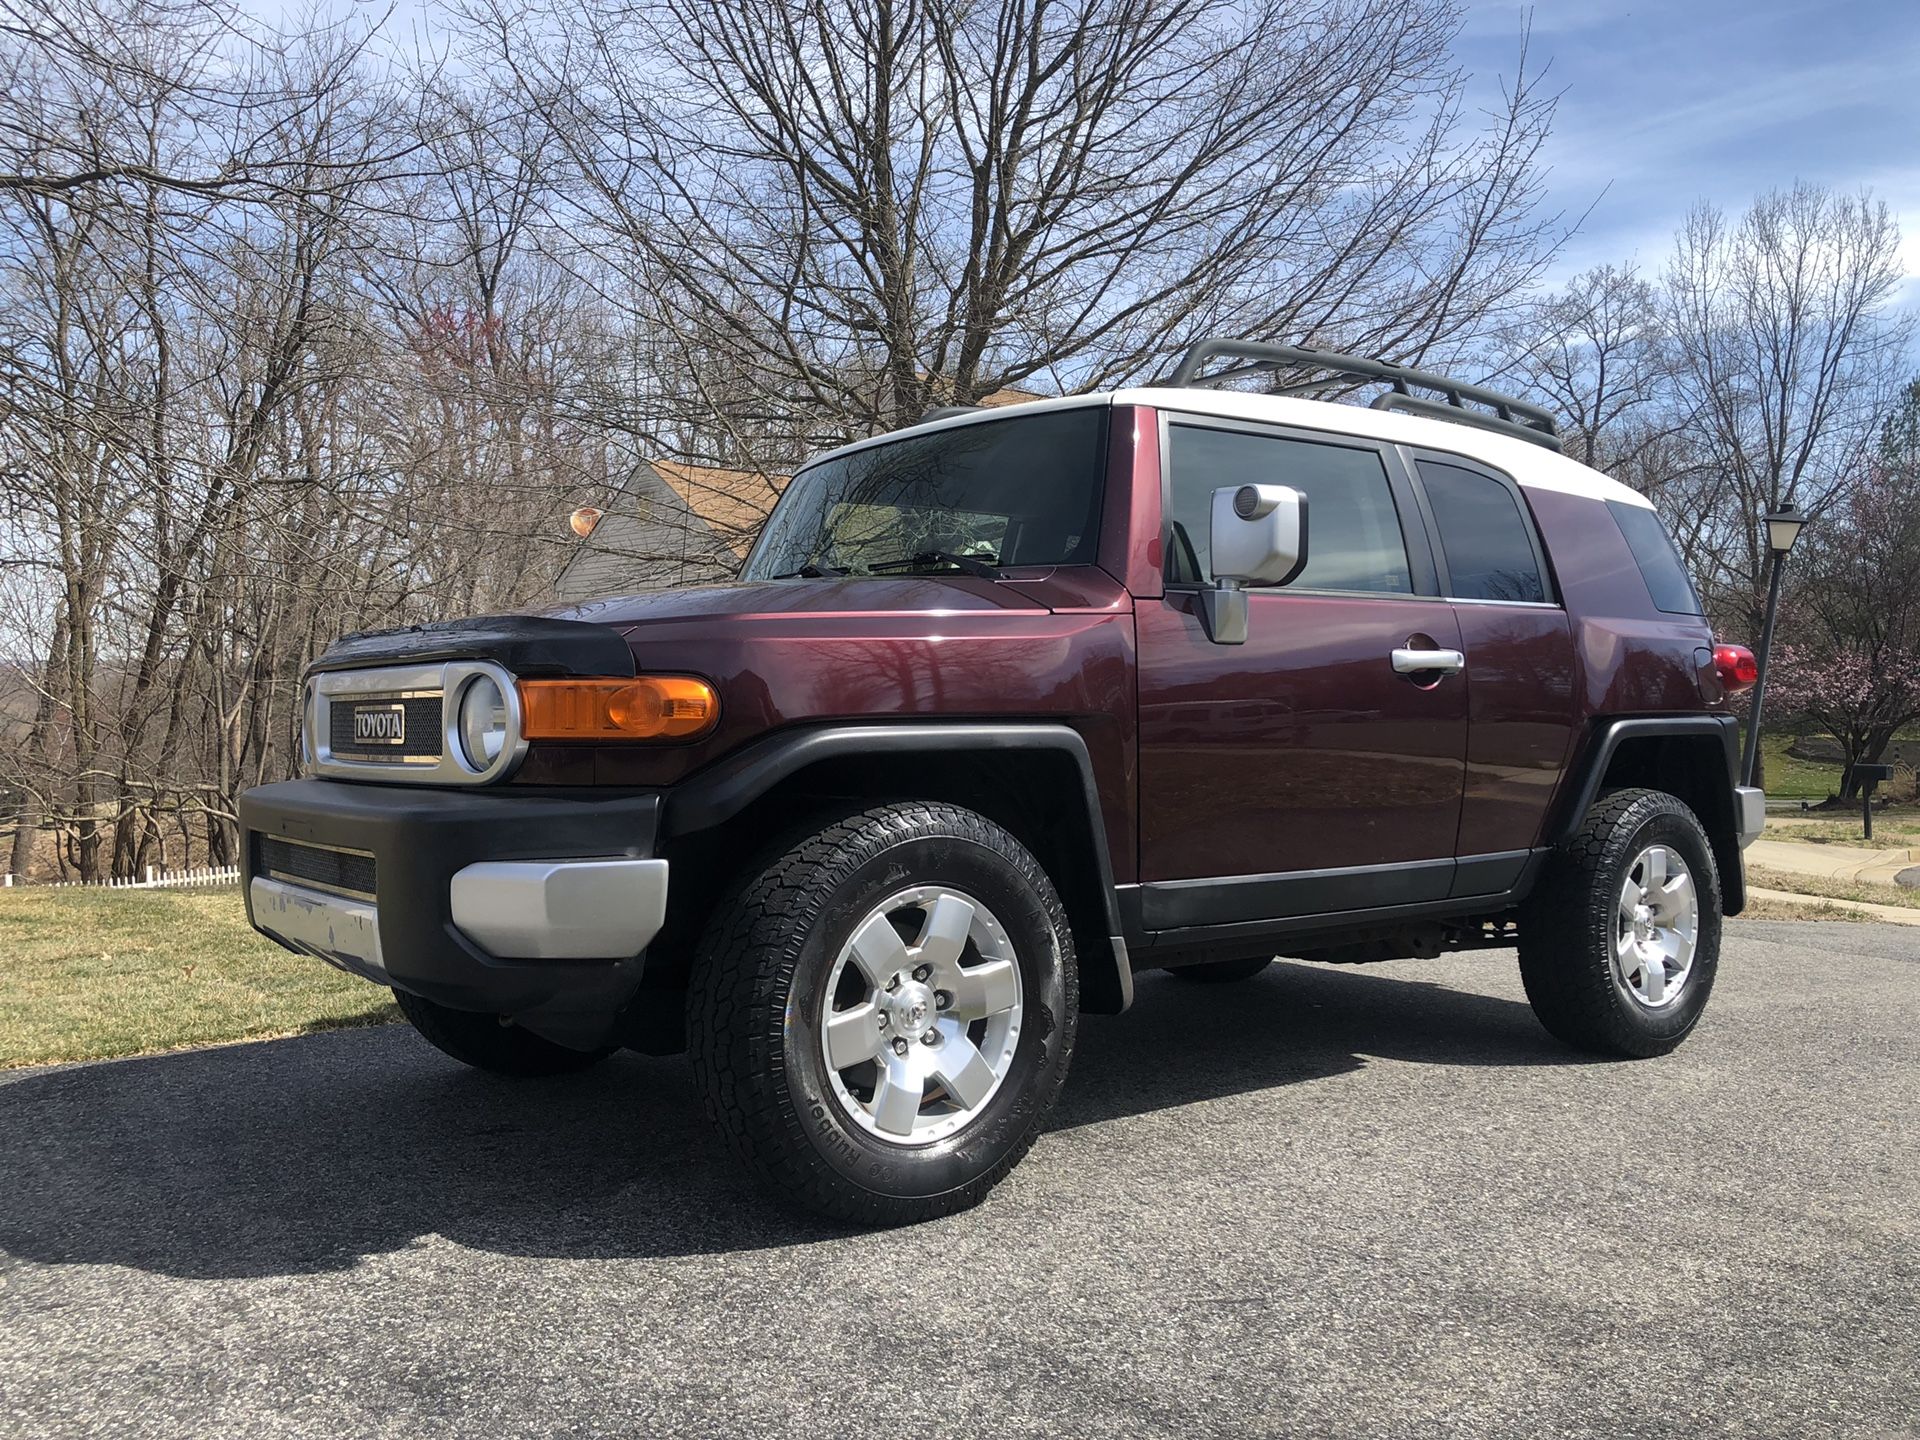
{"points": [[307, 1154]]}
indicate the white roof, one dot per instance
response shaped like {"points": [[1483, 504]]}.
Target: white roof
{"points": [[1532, 465]]}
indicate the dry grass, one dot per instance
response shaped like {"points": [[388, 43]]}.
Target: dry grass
{"points": [[1760, 909], [1898, 830], [1832, 889], [90, 974]]}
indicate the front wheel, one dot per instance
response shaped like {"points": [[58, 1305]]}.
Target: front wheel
{"points": [[882, 1016], [1620, 942]]}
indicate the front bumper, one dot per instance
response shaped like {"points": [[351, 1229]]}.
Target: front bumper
{"points": [[538, 906]]}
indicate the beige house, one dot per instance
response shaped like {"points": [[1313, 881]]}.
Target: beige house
{"points": [[680, 524], [672, 524]]}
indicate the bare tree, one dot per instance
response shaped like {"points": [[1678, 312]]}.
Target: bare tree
{"points": [[1597, 352], [1786, 355], [869, 206]]}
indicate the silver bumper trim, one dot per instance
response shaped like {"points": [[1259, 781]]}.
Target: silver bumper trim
{"points": [[344, 931], [561, 909], [1749, 813]]}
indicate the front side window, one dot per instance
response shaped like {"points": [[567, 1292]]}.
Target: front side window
{"points": [[1489, 549], [1353, 530], [1020, 491]]}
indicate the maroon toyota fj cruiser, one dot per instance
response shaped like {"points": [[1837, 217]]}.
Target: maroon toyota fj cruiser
{"points": [[1008, 705]]}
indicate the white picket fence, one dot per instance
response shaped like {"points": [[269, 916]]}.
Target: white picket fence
{"points": [[153, 879]]}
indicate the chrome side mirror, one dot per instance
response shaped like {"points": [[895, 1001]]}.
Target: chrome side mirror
{"points": [[1257, 535]]}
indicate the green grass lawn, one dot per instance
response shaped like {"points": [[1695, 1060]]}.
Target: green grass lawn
{"points": [[90, 974], [1789, 779]]}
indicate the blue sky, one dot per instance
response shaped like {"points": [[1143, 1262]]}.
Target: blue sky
{"points": [[1664, 102], [1668, 103]]}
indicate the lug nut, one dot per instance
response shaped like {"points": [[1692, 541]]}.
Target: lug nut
{"points": [[942, 1000], [921, 972], [882, 1018], [932, 1037], [899, 1047]]}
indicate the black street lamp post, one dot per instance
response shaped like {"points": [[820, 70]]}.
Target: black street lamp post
{"points": [[1783, 528]]}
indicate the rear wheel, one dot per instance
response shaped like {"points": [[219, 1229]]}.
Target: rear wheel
{"points": [[487, 1042], [1222, 972], [882, 1016], [1620, 942]]}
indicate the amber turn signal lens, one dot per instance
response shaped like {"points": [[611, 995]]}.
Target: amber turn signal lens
{"points": [[651, 707]]}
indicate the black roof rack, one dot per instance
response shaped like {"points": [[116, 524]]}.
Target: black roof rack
{"points": [[1508, 416]]}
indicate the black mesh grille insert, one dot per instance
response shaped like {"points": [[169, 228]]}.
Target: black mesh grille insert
{"points": [[313, 865], [420, 738]]}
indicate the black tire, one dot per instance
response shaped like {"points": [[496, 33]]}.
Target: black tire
{"points": [[757, 996], [1567, 928], [1221, 972], [484, 1043]]}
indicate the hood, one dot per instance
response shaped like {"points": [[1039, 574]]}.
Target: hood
{"points": [[894, 595]]}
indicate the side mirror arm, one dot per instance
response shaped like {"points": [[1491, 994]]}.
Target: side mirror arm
{"points": [[1223, 611]]}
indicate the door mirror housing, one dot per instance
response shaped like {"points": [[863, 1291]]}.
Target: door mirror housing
{"points": [[1257, 535]]}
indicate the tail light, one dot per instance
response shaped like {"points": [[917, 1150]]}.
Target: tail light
{"points": [[1736, 667]]}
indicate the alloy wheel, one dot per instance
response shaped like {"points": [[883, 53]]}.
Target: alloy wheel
{"points": [[1656, 928], [922, 1015]]}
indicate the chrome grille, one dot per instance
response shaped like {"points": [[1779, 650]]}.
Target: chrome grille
{"points": [[421, 751], [420, 735]]}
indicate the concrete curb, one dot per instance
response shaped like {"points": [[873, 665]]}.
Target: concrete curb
{"points": [[1892, 914]]}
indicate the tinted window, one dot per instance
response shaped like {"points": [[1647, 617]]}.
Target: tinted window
{"points": [[1353, 530], [1020, 491], [1489, 548], [1659, 562]]}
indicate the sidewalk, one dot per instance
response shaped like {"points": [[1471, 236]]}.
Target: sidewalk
{"points": [[1834, 862]]}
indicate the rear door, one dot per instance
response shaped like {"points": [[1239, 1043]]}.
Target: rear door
{"points": [[1519, 648], [1300, 772]]}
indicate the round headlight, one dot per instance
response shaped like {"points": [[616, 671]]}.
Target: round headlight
{"points": [[483, 722]]}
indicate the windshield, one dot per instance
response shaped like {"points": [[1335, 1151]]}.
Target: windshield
{"points": [[1020, 491]]}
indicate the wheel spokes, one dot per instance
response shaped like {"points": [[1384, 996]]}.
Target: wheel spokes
{"points": [[1653, 978], [879, 951], [959, 1065], [984, 990], [1655, 877], [907, 1025], [897, 1096], [853, 1035], [944, 936]]}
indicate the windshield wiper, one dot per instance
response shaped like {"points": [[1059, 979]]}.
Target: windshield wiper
{"points": [[812, 570], [985, 566]]}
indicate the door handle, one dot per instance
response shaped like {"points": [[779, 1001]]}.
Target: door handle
{"points": [[1428, 662]]}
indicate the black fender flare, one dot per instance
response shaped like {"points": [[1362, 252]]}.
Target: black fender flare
{"points": [[1603, 742], [722, 790]]}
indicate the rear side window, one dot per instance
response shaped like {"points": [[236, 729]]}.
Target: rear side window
{"points": [[1659, 562], [1489, 548], [1353, 529]]}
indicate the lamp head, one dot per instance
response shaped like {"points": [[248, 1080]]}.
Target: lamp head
{"points": [[1783, 528]]}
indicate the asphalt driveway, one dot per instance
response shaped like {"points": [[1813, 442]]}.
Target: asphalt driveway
{"points": [[1368, 1202]]}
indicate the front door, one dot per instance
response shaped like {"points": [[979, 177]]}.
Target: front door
{"points": [[1302, 772]]}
